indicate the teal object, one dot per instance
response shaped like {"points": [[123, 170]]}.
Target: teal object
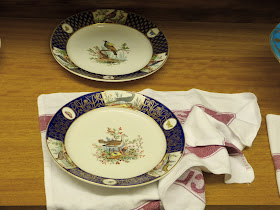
{"points": [[275, 42]]}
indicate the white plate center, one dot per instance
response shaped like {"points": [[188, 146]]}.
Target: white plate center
{"points": [[115, 143], [109, 49]]}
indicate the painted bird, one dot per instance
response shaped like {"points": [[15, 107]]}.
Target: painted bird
{"points": [[109, 16], [110, 46], [112, 145], [126, 99]]}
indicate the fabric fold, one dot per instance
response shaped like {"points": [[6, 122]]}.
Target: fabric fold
{"points": [[273, 129], [202, 132]]}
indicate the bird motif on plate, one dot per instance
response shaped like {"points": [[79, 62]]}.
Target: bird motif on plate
{"points": [[110, 46], [109, 16], [126, 99], [125, 102], [113, 145]]}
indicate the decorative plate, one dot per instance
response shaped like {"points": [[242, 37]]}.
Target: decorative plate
{"points": [[115, 139], [109, 45], [275, 42]]}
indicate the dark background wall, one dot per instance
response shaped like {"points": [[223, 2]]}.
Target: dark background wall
{"points": [[186, 10]]}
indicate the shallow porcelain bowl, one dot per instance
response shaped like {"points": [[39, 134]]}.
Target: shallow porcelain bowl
{"points": [[115, 139], [109, 45]]}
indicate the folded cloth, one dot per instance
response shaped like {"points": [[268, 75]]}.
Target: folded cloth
{"points": [[217, 127], [273, 129]]}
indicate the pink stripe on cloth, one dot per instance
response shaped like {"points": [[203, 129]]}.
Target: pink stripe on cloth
{"points": [[276, 160], [150, 205], [207, 151], [210, 150], [44, 121], [224, 117], [203, 151]]}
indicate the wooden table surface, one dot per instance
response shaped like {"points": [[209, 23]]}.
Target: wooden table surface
{"points": [[212, 56]]}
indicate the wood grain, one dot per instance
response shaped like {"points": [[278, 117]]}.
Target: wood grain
{"points": [[216, 57]]}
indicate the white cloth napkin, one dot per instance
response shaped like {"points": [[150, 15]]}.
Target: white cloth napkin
{"points": [[273, 129], [217, 127]]}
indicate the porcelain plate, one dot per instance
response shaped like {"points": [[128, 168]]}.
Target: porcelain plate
{"points": [[109, 45], [115, 139]]}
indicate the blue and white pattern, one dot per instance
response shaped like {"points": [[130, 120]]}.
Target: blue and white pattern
{"points": [[72, 24], [61, 122]]}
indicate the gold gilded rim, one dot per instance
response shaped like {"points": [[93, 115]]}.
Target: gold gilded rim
{"points": [[113, 186]]}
